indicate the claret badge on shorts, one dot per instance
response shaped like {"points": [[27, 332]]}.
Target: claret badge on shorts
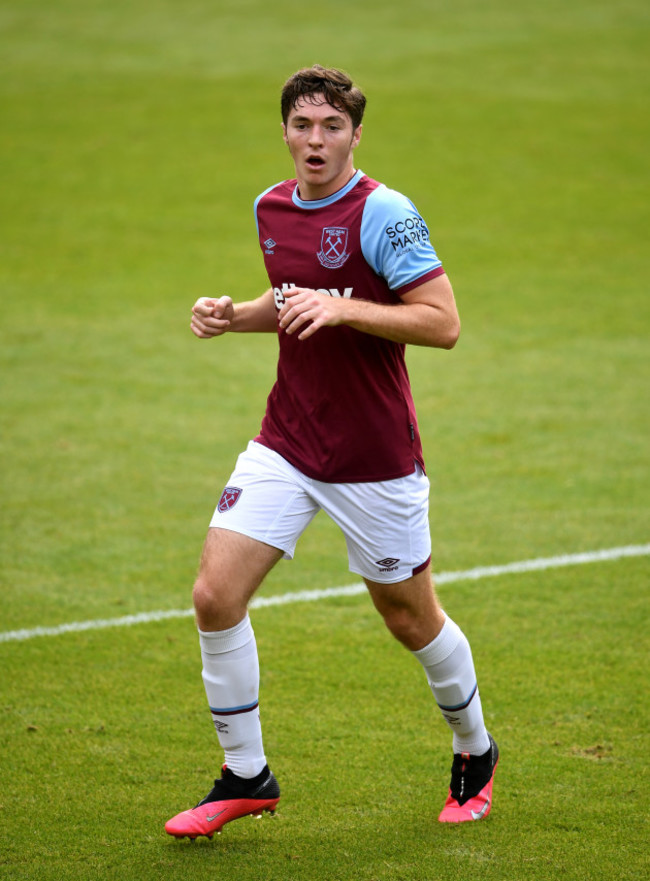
{"points": [[229, 497]]}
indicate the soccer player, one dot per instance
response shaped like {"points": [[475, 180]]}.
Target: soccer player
{"points": [[354, 278]]}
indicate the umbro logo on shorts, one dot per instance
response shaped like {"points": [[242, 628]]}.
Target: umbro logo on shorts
{"points": [[229, 498], [388, 564]]}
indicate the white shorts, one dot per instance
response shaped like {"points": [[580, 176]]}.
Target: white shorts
{"points": [[385, 524]]}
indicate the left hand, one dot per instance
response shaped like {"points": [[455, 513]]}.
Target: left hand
{"points": [[305, 311]]}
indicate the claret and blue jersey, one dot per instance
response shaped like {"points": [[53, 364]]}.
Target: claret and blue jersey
{"points": [[393, 237], [341, 409]]}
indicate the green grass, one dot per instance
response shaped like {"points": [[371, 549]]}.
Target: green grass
{"points": [[134, 139], [357, 744]]}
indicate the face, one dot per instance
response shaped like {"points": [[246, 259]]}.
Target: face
{"points": [[321, 141]]}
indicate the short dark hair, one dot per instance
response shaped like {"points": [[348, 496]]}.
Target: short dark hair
{"points": [[334, 85]]}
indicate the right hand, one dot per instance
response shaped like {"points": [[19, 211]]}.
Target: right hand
{"points": [[211, 317]]}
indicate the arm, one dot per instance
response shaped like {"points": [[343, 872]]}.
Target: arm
{"points": [[427, 315], [214, 317]]}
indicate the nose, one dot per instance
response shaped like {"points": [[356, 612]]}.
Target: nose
{"points": [[316, 135]]}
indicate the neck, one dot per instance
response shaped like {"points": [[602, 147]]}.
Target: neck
{"points": [[309, 192]]}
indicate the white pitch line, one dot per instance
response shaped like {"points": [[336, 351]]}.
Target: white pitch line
{"points": [[303, 596]]}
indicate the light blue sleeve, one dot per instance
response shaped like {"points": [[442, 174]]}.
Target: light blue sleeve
{"points": [[395, 238]]}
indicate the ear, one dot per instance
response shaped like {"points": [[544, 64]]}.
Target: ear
{"points": [[356, 137], [284, 133]]}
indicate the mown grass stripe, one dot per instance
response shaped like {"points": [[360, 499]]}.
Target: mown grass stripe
{"points": [[303, 596]]}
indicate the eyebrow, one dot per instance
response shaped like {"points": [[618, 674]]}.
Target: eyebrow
{"points": [[333, 118]]}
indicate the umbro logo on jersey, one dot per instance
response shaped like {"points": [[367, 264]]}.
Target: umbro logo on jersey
{"points": [[269, 245], [229, 498], [388, 564], [333, 244]]}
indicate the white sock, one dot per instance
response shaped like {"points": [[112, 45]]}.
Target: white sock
{"points": [[231, 676], [449, 666]]}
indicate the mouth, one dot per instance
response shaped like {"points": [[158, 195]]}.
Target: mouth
{"points": [[315, 161]]}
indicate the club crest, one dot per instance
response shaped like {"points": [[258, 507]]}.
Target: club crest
{"points": [[333, 247], [229, 498]]}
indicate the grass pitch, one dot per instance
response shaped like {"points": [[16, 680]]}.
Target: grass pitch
{"points": [[135, 138]]}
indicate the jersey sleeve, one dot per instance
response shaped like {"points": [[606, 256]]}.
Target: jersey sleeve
{"points": [[257, 202], [395, 241]]}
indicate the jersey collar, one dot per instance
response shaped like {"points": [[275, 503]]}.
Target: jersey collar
{"points": [[328, 200]]}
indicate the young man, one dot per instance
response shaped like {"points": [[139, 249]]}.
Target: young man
{"points": [[354, 278]]}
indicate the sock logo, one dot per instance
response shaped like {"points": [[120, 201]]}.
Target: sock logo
{"points": [[221, 727]]}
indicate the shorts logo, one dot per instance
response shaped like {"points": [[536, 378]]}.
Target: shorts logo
{"points": [[333, 244], [388, 564], [229, 498]]}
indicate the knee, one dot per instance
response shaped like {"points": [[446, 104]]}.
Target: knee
{"points": [[407, 627], [414, 627], [203, 598], [214, 607]]}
